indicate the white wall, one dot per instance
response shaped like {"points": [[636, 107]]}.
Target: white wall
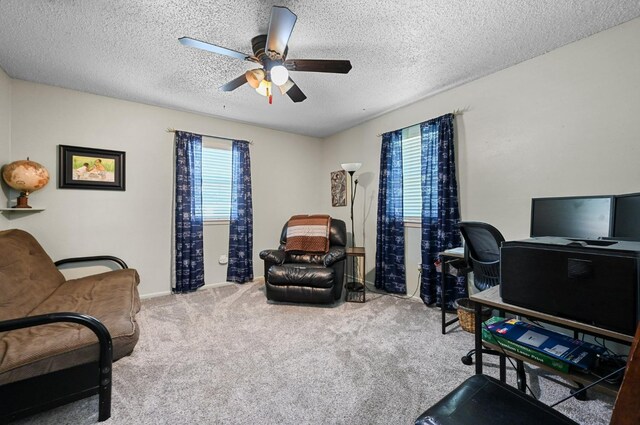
{"points": [[565, 123], [136, 224], [5, 134]]}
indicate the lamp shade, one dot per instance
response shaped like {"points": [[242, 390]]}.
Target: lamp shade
{"points": [[254, 77], [279, 75], [351, 167], [264, 88]]}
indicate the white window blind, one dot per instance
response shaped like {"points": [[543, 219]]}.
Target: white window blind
{"points": [[216, 183], [411, 188]]}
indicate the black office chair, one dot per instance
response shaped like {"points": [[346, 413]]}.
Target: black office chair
{"points": [[483, 242], [483, 256]]}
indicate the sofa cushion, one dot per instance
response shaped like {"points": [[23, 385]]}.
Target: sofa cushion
{"points": [[310, 275], [110, 297], [27, 274]]}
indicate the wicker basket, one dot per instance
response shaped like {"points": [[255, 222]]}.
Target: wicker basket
{"points": [[467, 313]]}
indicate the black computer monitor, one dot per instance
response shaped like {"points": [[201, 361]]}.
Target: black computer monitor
{"points": [[626, 223], [581, 217]]}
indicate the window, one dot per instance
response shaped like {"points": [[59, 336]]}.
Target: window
{"points": [[216, 182], [412, 177], [411, 191]]}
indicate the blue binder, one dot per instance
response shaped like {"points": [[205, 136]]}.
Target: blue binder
{"points": [[580, 354]]}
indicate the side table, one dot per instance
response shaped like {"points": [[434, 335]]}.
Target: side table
{"points": [[356, 288], [445, 258]]}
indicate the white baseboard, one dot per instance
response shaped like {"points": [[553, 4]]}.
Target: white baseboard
{"points": [[154, 295], [415, 296], [206, 286]]}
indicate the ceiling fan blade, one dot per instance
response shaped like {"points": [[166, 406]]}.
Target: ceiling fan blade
{"points": [[318, 65], [234, 84], [280, 28], [192, 42], [295, 93]]}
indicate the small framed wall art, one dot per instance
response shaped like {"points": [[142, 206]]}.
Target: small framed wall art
{"points": [[339, 188], [89, 168]]}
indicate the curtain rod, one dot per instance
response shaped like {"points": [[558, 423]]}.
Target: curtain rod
{"points": [[173, 130], [455, 112]]}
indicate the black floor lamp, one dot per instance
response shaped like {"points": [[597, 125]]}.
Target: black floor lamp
{"points": [[352, 167]]}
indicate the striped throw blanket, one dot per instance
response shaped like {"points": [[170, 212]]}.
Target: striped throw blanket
{"points": [[308, 233]]}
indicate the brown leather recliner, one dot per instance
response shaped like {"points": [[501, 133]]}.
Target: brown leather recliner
{"points": [[306, 278]]}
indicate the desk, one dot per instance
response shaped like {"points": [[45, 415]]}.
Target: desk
{"points": [[445, 258], [491, 298]]}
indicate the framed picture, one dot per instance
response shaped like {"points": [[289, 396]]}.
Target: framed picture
{"points": [[89, 168], [339, 188]]}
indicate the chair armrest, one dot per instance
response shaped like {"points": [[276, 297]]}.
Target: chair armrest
{"points": [[275, 256], [116, 260], [334, 255], [105, 344]]}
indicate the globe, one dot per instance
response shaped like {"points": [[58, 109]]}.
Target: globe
{"points": [[25, 176]]}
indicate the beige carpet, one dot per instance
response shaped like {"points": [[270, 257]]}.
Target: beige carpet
{"points": [[227, 356]]}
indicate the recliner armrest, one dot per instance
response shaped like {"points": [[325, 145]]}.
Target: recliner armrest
{"points": [[275, 256], [334, 255]]}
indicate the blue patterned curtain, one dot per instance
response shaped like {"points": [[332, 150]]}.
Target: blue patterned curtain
{"points": [[440, 214], [240, 267], [390, 268], [189, 262]]}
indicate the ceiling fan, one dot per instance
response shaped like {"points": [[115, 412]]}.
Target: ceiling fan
{"points": [[270, 52]]}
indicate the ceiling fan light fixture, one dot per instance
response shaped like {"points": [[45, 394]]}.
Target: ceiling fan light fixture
{"points": [[279, 75], [270, 54], [264, 89], [284, 88], [255, 77]]}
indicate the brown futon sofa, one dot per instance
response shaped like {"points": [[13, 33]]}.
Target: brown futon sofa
{"points": [[58, 337]]}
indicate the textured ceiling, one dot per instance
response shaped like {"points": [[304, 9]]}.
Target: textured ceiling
{"points": [[401, 51]]}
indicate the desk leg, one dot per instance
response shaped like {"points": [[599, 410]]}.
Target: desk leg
{"points": [[478, 337], [522, 376], [503, 358], [443, 275], [443, 307]]}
